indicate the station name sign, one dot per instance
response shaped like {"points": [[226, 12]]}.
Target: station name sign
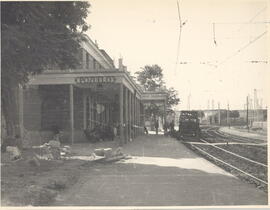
{"points": [[97, 79]]}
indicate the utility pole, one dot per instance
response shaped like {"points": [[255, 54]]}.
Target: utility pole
{"points": [[219, 120], [255, 105], [228, 115], [247, 115], [188, 105], [250, 107], [261, 103], [251, 110]]}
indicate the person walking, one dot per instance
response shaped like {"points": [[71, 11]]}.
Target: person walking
{"points": [[172, 133], [156, 126], [172, 126]]}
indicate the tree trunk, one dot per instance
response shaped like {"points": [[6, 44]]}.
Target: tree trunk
{"points": [[10, 103]]}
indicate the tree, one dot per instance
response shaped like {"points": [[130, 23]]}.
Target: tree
{"points": [[152, 110], [35, 36], [172, 98], [151, 78]]}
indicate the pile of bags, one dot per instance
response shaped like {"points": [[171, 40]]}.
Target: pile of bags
{"points": [[15, 153], [109, 154], [51, 151]]}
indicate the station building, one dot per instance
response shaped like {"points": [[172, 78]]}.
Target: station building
{"points": [[95, 93]]}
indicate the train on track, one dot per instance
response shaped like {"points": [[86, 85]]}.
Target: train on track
{"points": [[245, 157], [189, 124]]}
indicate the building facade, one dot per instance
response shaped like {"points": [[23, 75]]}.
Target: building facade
{"points": [[73, 100]]}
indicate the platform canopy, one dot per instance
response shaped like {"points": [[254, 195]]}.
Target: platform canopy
{"points": [[122, 99], [84, 79]]}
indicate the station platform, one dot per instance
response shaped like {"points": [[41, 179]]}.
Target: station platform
{"points": [[161, 172]]}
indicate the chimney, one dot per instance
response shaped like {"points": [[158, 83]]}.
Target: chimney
{"points": [[120, 64]]}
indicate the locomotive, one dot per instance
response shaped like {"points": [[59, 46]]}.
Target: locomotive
{"points": [[189, 124]]}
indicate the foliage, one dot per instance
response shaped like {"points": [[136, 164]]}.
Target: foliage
{"points": [[38, 34], [152, 110], [151, 77], [172, 97], [35, 36]]}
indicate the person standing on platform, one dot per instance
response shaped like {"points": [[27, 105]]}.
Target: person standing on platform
{"points": [[172, 127], [156, 126], [114, 131], [145, 130], [165, 128]]}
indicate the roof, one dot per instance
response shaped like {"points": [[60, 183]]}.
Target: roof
{"points": [[107, 56], [94, 51]]}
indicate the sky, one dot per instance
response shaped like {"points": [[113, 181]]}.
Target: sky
{"points": [[146, 32]]}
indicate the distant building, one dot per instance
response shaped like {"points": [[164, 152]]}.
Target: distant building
{"points": [[211, 116]]}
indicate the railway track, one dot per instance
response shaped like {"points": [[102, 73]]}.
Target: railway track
{"points": [[244, 157], [232, 153], [214, 132]]}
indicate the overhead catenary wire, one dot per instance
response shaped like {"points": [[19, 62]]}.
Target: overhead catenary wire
{"points": [[258, 13], [242, 48], [179, 16], [240, 23], [257, 61], [253, 18], [181, 24], [214, 34], [214, 63], [179, 37]]}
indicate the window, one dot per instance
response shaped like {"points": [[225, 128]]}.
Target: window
{"points": [[87, 60], [94, 63]]}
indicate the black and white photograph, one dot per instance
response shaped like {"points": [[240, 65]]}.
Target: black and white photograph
{"points": [[135, 104]]}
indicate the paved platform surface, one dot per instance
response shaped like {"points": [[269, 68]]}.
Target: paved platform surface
{"points": [[243, 133], [162, 172]]}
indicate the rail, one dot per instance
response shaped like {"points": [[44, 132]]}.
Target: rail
{"points": [[232, 153], [215, 158]]}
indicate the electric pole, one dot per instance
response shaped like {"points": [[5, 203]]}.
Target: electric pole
{"points": [[247, 115], [228, 115], [188, 105], [255, 105], [219, 120]]}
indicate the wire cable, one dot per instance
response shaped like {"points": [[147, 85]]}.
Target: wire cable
{"points": [[179, 38], [243, 48], [251, 19]]}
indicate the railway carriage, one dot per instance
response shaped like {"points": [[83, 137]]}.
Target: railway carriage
{"points": [[189, 124]]}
